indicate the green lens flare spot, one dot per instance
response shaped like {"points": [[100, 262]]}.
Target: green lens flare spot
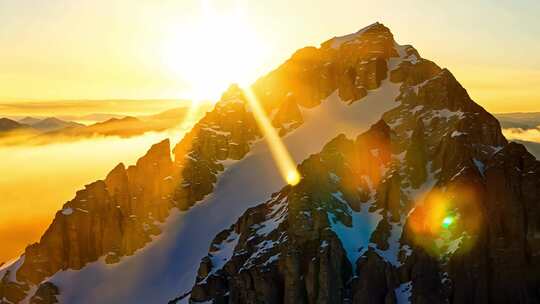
{"points": [[447, 221]]}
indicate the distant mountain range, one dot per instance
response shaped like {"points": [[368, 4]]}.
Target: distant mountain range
{"points": [[38, 125], [519, 120], [520, 127], [44, 130], [50, 124], [97, 110], [7, 125]]}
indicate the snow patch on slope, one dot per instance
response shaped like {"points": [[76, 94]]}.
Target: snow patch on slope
{"points": [[276, 217], [403, 293], [355, 238], [11, 266], [220, 255], [67, 211], [391, 255]]}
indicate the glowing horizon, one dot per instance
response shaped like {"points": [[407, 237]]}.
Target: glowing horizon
{"points": [[195, 49]]}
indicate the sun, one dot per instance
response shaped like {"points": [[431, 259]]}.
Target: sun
{"points": [[213, 51]]}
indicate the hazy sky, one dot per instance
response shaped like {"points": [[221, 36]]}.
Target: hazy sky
{"points": [[66, 49]]}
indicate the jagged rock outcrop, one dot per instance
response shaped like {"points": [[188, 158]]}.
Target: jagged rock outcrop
{"points": [[108, 217], [351, 64]]}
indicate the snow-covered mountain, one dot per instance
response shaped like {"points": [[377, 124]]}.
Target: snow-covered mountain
{"points": [[409, 193]]}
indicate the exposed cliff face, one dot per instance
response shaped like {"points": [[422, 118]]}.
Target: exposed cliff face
{"points": [[108, 218], [352, 65], [431, 205]]}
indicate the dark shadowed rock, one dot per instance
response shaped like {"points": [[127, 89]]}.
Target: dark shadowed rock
{"points": [[46, 294]]}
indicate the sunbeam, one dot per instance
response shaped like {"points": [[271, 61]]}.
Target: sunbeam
{"points": [[281, 156]]}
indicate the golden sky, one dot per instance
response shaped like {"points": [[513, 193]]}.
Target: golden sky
{"points": [[97, 49]]}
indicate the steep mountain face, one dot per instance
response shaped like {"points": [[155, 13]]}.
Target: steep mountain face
{"points": [[430, 205]]}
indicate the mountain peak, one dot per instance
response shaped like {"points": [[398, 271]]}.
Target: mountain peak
{"points": [[376, 27]]}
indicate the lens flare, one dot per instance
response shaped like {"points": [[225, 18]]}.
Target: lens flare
{"points": [[444, 221], [447, 221], [281, 156]]}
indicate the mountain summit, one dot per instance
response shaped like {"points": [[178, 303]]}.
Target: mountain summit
{"points": [[409, 193]]}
